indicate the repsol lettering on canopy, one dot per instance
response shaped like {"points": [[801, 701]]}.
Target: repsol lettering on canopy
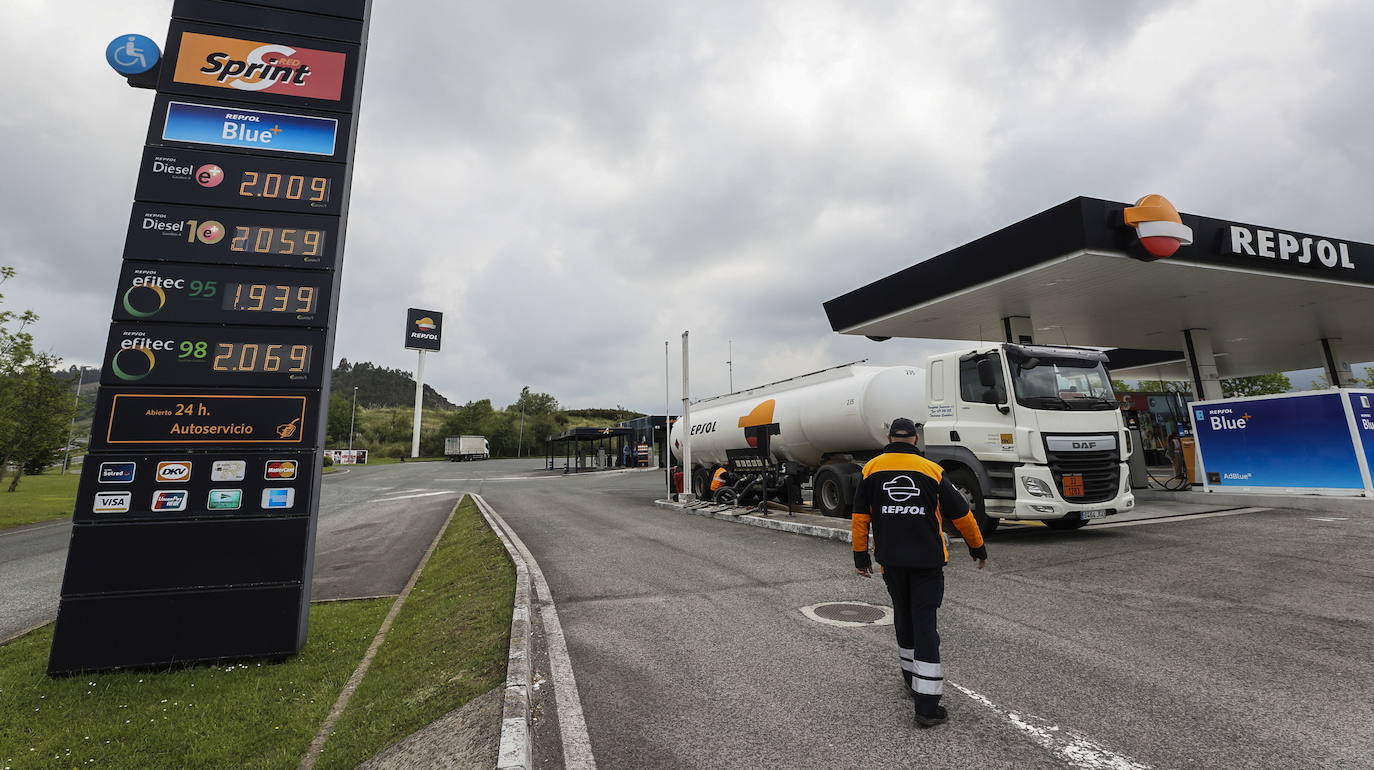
{"points": [[1286, 247], [705, 427]]}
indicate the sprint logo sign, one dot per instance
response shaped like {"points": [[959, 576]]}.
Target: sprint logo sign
{"points": [[250, 65]]}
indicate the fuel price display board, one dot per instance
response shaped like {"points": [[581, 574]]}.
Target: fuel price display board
{"points": [[161, 231], [154, 291], [241, 181], [168, 354], [193, 533]]}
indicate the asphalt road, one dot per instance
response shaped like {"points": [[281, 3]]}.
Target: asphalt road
{"points": [[1232, 641], [1236, 641], [375, 523]]}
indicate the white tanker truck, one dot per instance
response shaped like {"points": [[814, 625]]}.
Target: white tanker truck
{"points": [[1049, 447]]}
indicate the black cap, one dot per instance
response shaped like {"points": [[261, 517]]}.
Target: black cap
{"points": [[902, 428]]}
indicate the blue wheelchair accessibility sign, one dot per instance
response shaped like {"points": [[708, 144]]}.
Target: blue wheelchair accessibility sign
{"points": [[132, 54]]}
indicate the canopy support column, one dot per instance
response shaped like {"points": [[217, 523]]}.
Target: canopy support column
{"points": [[1337, 368], [1202, 364], [1018, 330]]}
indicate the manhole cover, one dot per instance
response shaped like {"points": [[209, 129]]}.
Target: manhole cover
{"points": [[849, 614]]}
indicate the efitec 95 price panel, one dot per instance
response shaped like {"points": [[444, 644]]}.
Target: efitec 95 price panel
{"points": [[174, 354], [231, 236], [152, 291], [239, 181]]}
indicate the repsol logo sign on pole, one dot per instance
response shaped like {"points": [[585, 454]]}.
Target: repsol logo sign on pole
{"points": [[424, 329]]}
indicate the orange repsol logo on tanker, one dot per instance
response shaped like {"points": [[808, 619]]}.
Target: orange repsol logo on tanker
{"points": [[248, 65]]}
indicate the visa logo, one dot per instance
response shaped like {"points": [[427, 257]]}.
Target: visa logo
{"points": [[111, 502], [117, 473], [170, 500]]}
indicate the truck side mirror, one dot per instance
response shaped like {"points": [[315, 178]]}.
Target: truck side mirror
{"points": [[987, 373]]}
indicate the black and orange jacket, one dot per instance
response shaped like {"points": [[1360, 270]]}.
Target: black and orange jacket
{"points": [[718, 480], [904, 498]]}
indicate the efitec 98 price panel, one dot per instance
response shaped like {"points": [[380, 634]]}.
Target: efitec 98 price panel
{"points": [[231, 236], [173, 354], [149, 291], [240, 181]]}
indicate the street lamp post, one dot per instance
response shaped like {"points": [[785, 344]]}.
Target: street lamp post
{"points": [[352, 418], [71, 431], [521, 441]]}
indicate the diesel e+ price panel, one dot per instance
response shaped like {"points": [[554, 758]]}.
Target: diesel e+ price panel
{"points": [[242, 181], [150, 291], [229, 236], [173, 354]]}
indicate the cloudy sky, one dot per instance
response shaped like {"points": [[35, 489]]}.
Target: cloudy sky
{"points": [[575, 183]]}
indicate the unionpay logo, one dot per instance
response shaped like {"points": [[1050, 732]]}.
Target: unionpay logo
{"points": [[175, 470], [170, 500], [1159, 227], [111, 502]]}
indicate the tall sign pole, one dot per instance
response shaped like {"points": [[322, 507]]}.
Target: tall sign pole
{"points": [[424, 333], [193, 538], [686, 427]]}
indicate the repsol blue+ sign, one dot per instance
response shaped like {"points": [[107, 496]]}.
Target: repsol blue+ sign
{"points": [[1299, 442], [254, 129]]}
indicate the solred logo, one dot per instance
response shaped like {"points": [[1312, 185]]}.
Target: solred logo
{"points": [[1159, 227]]}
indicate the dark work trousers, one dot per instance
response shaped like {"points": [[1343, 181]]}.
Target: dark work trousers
{"points": [[916, 595]]}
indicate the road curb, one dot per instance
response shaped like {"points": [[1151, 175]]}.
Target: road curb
{"points": [[746, 516], [514, 751]]}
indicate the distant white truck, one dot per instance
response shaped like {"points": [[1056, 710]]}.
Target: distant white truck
{"points": [[459, 448]]}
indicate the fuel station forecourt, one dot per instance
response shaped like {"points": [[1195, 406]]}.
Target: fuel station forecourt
{"points": [[1167, 295]]}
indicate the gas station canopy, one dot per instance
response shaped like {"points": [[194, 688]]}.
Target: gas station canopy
{"points": [[1243, 298]]}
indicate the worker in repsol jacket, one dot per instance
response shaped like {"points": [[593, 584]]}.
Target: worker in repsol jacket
{"points": [[905, 497], [721, 478]]}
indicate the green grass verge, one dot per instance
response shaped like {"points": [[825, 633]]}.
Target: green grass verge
{"points": [[38, 498], [447, 646], [244, 716]]}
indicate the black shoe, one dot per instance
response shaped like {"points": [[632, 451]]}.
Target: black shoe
{"points": [[930, 720]]}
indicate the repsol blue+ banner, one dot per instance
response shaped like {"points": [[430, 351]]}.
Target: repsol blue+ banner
{"points": [[1362, 409], [1293, 442], [249, 129]]}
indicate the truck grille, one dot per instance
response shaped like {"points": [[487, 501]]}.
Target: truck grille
{"points": [[1101, 473]]}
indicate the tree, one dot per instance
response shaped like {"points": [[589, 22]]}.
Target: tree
{"points": [[1120, 386], [534, 403], [1162, 386], [34, 408], [1257, 385], [337, 423]]}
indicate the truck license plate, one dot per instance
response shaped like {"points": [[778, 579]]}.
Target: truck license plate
{"points": [[1073, 485], [1095, 514]]}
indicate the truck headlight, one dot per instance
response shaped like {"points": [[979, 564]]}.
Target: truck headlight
{"points": [[1036, 487]]}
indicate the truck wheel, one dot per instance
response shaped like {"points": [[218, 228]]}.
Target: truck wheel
{"points": [[963, 480], [827, 492], [1065, 524], [701, 482]]}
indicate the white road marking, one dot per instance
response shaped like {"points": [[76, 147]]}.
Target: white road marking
{"points": [[505, 478], [1184, 517], [63, 522], [1074, 749], [412, 497], [572, 725], [1327, 518]]}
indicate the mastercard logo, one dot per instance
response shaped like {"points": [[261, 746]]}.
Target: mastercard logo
{"points": [[1158, 225]]}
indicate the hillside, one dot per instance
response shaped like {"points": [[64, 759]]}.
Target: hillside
{"points": [[380, 387]]}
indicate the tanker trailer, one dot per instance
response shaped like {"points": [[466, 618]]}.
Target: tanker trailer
{"points": [[1050, 447]]}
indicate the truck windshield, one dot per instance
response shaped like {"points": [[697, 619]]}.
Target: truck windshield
{"points": [[1062, 383]]}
